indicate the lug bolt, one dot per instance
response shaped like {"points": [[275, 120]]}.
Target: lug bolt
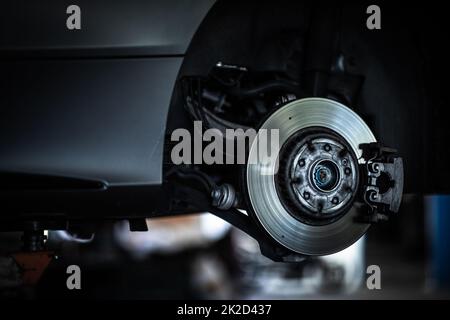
{"points": [[347, 171], [344, 162], [301, 163], [335, 200], [306, 195], [327, 147]]}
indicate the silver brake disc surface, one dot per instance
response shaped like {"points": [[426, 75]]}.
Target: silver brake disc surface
{"points": [[283, 227]]}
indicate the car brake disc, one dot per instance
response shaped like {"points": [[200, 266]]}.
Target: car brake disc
{"points": [[305, 197]]}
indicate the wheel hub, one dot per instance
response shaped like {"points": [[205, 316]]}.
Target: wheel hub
{"points": [[318, 176]]}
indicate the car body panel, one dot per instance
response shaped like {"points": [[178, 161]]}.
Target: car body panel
{"points": [[107, 27], [92, 103], [91, 119]]}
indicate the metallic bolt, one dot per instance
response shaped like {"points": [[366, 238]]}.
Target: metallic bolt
{"points": [[301, 163]]}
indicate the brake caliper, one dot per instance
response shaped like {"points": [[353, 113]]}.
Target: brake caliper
{"points": [[382, 185]]}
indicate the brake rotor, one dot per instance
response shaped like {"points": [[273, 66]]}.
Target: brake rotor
{"points": [[304, 198]]}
